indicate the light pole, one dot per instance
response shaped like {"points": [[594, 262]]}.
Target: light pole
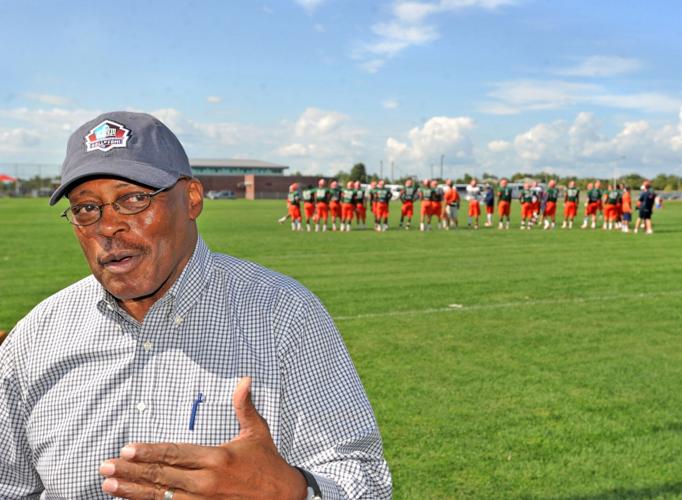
{"points": [[442, 157]]}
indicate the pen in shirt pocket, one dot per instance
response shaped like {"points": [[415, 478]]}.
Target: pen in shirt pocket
{"points": [[195, 408]]}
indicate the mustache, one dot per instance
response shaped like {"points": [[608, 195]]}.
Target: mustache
{"points": [[118, 246]]}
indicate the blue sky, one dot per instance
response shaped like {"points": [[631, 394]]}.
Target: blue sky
{"points": [[500, 86]]}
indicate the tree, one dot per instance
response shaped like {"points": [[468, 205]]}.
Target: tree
{"points": [[358, 173]]}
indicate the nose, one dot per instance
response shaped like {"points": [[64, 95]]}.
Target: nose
{"points": [[111, 221]]}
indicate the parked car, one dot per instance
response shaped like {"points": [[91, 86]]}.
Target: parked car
{"points": [[220, 195]]}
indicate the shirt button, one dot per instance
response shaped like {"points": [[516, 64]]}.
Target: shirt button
{"points": [[141, 407], [178, 320], [147, 346]]}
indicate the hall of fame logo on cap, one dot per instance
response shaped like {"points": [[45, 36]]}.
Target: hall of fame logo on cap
{"points": [[106, 136]]}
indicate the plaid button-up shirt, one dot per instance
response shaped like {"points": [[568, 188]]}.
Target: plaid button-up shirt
{"points": [[80, 378]]}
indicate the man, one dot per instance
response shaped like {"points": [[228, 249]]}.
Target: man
{"points": [[294, 207], [647, 198], [549, 210], [308, 196], [322, 197], [335, 203], [360, 205], [538, 198], [451, 201], [371, 194], [474, 197], [436, 202], [592, 205], [612, 200], [571, 202], [172, 370], [408, 194], [347, 206], [382, 196], [626, 208], [489, 201], [425, 208], [504, 197], [527, 198]]}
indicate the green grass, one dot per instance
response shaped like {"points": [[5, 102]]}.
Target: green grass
{"points": [[559, 377]]}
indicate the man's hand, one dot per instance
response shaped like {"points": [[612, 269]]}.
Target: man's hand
{"points": [[248, 466]]}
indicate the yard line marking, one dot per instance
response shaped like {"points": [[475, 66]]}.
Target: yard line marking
{"points": [[505, 305]]}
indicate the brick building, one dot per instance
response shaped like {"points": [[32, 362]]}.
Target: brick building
{"points": [[250, 179]]}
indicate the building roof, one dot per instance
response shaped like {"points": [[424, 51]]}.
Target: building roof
{"points": [[235, 163]]}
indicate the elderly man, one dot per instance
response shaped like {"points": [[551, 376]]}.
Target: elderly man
{"points": [[172, 371]]}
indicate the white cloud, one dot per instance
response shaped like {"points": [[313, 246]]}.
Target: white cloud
{"points": [[582, 148], [440, 135], [309, 5], [317, 122], [516, 96], [409, 26], [294, 150], [17, 139], [390, 104], [52, 100], [600, 66], [373, 65], [214, 99], [499, 146], [319, 28]]}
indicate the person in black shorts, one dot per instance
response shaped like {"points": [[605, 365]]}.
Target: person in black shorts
{"points": [[645, 204]]}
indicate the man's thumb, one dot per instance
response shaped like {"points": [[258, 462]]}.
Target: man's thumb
{"points": [[247, 415]]}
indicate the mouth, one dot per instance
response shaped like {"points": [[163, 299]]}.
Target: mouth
{"points": [[119, 262]]}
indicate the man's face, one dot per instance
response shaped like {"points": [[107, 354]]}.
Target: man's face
{"points": [[141, 255]]}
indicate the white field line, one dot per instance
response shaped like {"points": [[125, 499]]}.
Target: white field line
{"points": [[507, 305]]}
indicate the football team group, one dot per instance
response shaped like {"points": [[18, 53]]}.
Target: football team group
{"points": [[440, 204]]}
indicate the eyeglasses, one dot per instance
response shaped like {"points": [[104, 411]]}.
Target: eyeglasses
{"points": [[86, 214]]}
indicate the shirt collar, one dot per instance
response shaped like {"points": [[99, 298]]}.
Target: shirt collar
{"points": [[182, 295]]}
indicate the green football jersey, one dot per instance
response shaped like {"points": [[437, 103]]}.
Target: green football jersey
{"points": [[294, 198], [322, 195], [425, 193], [335, 194], [613, 197], [594, 195], [527, 196], [308, 195], [573, 194], [409, 193], [348, 195], [505, 194], [552, 194]]}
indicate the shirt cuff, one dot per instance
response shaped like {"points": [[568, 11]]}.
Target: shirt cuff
{"points": [[329, 488]]}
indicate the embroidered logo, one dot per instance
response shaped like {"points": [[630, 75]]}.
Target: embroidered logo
{"points": [[107, 135]]}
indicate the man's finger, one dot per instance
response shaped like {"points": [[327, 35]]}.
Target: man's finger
{"points": [[132, 491], [154, 474], [250, 421], [189, 456]]}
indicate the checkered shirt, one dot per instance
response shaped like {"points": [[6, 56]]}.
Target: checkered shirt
{"points": [[80, 378]]}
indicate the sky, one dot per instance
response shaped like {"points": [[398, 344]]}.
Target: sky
{"points": [[573, 87]]}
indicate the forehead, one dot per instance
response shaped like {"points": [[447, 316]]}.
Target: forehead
{"points": [[102, 185]]}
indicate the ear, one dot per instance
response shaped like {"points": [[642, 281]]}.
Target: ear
{"points": [[195, 197]]}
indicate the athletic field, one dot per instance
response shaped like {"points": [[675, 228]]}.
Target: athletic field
{"points": [[500, 364]]}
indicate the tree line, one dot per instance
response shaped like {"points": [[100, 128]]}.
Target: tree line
{"points": [[662, 182]]}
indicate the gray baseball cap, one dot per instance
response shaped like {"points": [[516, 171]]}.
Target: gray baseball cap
{"points": [[127, 145]]}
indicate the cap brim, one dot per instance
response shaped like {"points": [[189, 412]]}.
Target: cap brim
{"points": [[137, 172]]}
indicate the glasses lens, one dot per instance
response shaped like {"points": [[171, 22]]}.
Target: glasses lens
{"points": [[133, 203], [83, 215]]}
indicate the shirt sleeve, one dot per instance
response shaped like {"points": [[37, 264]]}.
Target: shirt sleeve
{"points": [[18, 477], [328, 425]]}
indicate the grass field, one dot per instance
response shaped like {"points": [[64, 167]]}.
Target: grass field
{"points": [[558, 377]]}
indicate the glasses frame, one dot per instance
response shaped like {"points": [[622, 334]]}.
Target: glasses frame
{"points": [[115, 205]]}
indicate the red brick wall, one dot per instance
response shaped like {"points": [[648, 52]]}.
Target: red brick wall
{"points": [[264, 186]]}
